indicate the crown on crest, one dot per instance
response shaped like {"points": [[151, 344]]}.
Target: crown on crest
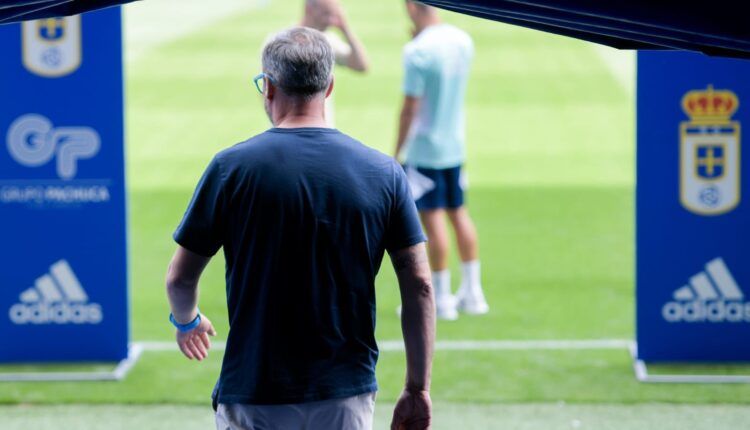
{"points": [[710, 105]]}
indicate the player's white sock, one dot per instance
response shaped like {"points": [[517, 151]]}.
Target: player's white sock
{"points": [[444, 300], [441, 282], [471, 275]]}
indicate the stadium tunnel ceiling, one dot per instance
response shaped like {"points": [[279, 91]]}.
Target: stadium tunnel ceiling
{"points": [[715, 28]]}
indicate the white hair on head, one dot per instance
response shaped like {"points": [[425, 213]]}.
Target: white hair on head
{"points": [[300, 60]]}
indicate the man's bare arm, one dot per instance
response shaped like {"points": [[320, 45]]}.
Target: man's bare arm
{"points": [[182, 283], [413, 409], [417, 314], [409, 111], [182, 292], [357, 58]]}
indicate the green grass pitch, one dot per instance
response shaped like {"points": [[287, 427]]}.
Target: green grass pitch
{"points": [[551, 172]]}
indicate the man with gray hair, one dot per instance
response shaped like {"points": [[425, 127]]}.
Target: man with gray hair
{"points": [[304, 214]]}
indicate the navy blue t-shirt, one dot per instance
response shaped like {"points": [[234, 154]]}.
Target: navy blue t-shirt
{"points": [[304, 216]]}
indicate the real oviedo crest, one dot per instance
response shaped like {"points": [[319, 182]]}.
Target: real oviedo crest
{"points": [[710, 152], [52, 47]]}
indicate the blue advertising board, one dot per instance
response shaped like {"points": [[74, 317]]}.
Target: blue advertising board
{"points": [[693, 219], [63, 269]]}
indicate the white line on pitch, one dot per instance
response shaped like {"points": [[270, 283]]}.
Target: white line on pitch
{"points": [[459, 345]]}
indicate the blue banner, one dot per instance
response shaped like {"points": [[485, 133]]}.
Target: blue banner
{"points": [[63, 270], [693, 221]]}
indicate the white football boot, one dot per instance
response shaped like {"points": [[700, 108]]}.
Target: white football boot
{"points": [[470, 296], [445, 307], [471, 300]]}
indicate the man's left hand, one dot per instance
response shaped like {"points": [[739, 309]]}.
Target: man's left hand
{"points": [[195, 343]]}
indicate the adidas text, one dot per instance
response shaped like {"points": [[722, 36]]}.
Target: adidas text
{"points": [[57, 313], [699, 311]]}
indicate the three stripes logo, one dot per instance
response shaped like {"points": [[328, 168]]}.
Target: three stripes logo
{"points": [[711, 296], [56, 298]]}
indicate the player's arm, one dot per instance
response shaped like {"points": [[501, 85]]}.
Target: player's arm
{"points": [[183, 275], [409, 110], [357, 56], [413, 409]]}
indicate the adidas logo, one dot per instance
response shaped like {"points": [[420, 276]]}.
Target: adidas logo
{"points": [[711, 296], [56, 298]]}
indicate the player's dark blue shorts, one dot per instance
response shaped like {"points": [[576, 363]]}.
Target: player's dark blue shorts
{"points": [[436, 188]]}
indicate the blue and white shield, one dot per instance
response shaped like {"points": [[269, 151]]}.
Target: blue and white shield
{"points": [[52, 47], [710, 167]]}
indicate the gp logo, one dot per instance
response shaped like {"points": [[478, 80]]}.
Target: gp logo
{"points": [[33, 141]]}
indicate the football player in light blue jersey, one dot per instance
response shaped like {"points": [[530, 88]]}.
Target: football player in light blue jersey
{"points": [[432, 136]]}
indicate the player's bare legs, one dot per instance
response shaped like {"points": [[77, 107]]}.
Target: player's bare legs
{"points": [[437, 249], [470, 295], [437, 235], [466, 234]]}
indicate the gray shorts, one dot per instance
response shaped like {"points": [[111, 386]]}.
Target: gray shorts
{"points": [[351, 413]]}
